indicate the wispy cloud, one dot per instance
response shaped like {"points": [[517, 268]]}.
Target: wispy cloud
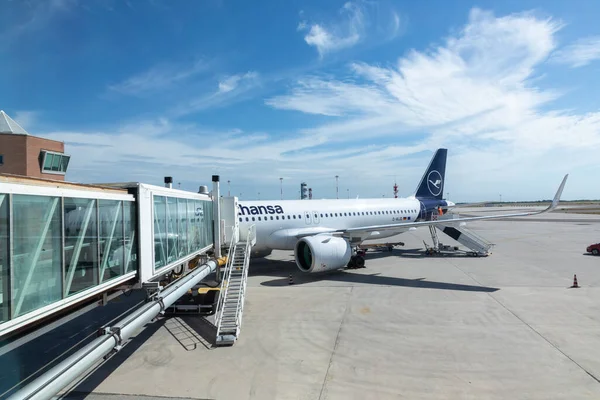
{"points": [[230, 89], [159, 77], [32, 16], [395, 23], [26, 119], [338, 35], [232, 82], [349, 29], [473, 93], [580, 53]]}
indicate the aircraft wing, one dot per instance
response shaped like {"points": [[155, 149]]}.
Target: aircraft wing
{"points": [[391, 227]]}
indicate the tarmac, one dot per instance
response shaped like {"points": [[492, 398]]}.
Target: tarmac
{"points": [[506, 326]]}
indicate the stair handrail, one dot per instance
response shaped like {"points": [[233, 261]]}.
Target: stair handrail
{"points": [[251, 241], [225, 278]]}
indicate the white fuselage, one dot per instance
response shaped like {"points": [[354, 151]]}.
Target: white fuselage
{"points": [[278, 223]]}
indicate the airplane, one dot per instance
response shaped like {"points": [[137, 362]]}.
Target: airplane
{"points": [[325, 234]]}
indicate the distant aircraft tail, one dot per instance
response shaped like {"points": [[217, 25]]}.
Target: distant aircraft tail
{"points": [[432, 183]]}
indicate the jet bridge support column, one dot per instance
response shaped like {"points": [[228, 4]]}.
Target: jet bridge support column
{"points": [[217, 220]]}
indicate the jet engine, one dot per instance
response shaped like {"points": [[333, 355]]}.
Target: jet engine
{"points": [[322, 253]]}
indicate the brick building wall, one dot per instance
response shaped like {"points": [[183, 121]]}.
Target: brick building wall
{"points": [[21, 155], [13, 150]]}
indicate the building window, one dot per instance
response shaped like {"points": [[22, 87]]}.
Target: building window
{"points": [[1, 159], [54, 163]]}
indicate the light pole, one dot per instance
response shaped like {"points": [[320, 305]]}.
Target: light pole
{"points": [[348, 193], [281, 182], [228, 188], [337, 193]]}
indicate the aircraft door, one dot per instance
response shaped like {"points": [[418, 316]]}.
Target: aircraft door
{"points": [[307, 217], [315, 217]]}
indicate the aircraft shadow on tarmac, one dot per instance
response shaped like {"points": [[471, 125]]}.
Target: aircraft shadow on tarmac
{"points": [[282, 270]]}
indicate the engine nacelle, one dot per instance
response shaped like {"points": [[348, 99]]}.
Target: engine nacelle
{"points": [[322, 253]]}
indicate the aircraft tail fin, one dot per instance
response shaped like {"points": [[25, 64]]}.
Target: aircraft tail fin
{"points": [[432, 183]]}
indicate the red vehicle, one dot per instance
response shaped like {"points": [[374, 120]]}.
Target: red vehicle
{"points": [[594, 249]]}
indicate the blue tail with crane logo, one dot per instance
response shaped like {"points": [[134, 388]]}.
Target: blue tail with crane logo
{"points": [[432, 183], [430, 191]]}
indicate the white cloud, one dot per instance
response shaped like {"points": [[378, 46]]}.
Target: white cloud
{"points": [[580, 53], [26, 119], [230, 89], [231, 82], [159, 77], [395, 23], [473, 94], [338, 35], [326, 42], [357, 20], [29, 18]]}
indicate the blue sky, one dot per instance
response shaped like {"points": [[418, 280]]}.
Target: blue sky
{"points": [[366, 90]]}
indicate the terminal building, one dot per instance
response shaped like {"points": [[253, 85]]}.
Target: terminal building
{"points": [[26, 155]]}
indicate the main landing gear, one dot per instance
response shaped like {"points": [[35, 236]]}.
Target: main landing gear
{"points": [[357, 261]]}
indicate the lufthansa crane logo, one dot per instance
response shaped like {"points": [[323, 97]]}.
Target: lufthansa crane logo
{"points": [[434, 183]]}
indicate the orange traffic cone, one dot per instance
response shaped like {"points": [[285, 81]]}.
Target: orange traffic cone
{"points": [[575, 285]]}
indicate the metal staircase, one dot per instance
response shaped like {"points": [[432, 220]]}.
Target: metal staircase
{"points": [[478, 245], [233, 290]]}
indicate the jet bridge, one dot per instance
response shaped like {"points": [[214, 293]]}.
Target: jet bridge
{"points": [[63, 245]]}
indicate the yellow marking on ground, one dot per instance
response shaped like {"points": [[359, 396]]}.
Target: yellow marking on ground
{"points": [[365, 310]]}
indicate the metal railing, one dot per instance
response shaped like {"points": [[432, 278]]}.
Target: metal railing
{"points": [[250, 240], [225, 279]]}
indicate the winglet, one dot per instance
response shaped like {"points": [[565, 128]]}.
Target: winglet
{"points": [[556, 199]]}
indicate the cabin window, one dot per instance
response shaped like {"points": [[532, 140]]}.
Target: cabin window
{"points": [[294, 216], [240, 219], [259, 219], [321, 215], [247, 219], [253, 219]]}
